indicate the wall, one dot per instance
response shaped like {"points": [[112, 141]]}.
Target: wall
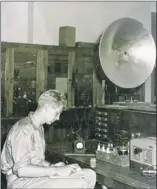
{"points": [[89, 18], [14, 21]]}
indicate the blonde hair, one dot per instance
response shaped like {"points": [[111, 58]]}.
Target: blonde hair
{"points": [[54, 97]]}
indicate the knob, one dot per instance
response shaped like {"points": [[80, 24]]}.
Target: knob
{"points": [[104, 136], [104, 130], [99, 129], [96, 134], [137, 150], [99, 135]]}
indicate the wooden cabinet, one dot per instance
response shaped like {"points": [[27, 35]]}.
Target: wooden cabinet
{"points": [[9, 80], [28, 70], [24, 88], [24, 76]]}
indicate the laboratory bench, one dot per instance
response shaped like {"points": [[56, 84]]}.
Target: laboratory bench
{"points": [[110, 175]]}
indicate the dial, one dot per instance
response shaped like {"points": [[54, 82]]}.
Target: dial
{"points": [[79, 145]]}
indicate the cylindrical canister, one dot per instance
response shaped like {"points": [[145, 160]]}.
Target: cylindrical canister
{"points": [[93, 162]]}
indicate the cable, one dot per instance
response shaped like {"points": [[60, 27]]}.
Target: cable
{"points": [[97, 66], [88, 96], [84, 114]]}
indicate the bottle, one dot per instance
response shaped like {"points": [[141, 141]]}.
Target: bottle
{"points": [[103, 148], [108, 148], [98, 148]]}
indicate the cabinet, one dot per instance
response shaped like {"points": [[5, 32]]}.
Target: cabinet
{"points": [[24, 77], [29, 69]]}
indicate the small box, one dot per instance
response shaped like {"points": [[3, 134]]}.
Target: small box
{"points": [[67, 36], [143, 152], [113, 158]]}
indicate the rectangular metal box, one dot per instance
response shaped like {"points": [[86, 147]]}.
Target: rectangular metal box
{"points": [[67, 36], [143, 152]]}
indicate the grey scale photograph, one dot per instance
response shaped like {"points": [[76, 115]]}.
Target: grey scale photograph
{"points": [[78, 95]]}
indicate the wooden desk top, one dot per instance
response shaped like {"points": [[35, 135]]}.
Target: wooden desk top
{"points": [[123, 175]]}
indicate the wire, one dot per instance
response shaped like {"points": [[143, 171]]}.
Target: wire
{"points": [[97, 66], [85, 110]]}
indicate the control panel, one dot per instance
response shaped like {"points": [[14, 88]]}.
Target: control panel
{"points": [[107, 124], [101, 125]]}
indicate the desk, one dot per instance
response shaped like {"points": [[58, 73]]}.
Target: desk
{"points": [[109, 175]]}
